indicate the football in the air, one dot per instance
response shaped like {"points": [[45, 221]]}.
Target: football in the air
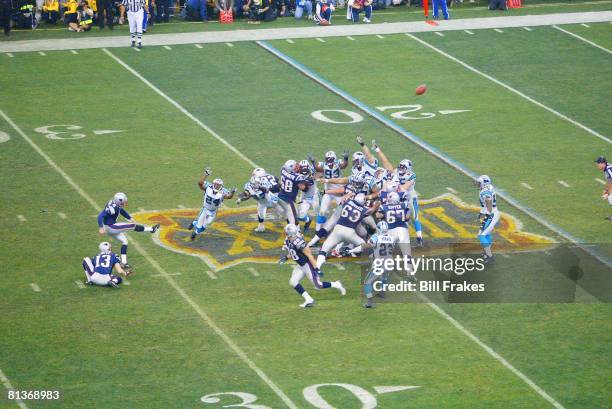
{"points": [[420, 90]]}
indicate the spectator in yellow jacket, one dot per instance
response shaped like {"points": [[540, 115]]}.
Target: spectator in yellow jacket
{"points": [[50, 12]]}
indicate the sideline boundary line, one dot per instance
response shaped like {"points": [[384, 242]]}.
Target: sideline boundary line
{"points": [[425, 146], [207, 320]]}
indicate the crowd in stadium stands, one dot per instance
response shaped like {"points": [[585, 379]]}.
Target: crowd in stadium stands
{"points": [[82, 15]]}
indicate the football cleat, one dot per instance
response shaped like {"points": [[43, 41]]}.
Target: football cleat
{"points": [[369, 304], [113, 284], [341, 288], [155, 228], [419, 241], [487, 259], [193, 235], [308, 303], [307, 225], [260, 229], [283, 259], [133, 43]]}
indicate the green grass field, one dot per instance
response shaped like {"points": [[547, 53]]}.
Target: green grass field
{"points": [[182, 330]]}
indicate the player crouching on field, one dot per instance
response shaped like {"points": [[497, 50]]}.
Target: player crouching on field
{"points": [[606, 168], [98, 269], [296, 248], [107, 222], [357, 6], [323, 12]]}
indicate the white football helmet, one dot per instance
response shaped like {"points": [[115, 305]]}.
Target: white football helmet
{"points": [[304, 167], [380, 174], [105, 247], [404, 166], [392, 186], [358, 158], [393, 198], [358, 179], [359, 198], [258, 172], [120, 199], [382, 227], [483, 180], [255, 182], [291, 230], [217, 184], [290, 165], [330, 157]]}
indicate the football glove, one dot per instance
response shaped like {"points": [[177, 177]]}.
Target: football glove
{"points": [[345, 155], [239, 200], [375, 146], [207, 171], [233, 189], [311, 158], [360, 140], [282, 259]]}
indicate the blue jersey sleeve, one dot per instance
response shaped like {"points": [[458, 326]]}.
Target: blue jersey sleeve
{"points": [[101, 218], [115, 260], [124, 213]]}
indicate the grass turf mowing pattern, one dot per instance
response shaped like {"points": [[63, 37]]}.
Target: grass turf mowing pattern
{"points": [[259, 313], [504, 135], [393, 15]]}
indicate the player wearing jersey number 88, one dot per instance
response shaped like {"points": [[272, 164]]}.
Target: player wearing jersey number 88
{"points": [[291, 183], [296, 248], [214, 194]]}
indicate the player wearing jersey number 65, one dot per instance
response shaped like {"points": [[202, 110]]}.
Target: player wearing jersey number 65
{"points": [[135, 12]]}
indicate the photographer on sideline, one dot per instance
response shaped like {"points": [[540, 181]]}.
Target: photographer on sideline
{"points": [[258, 11]]}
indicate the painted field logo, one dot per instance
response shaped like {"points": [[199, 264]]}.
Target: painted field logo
{"points": [[447, 223]]}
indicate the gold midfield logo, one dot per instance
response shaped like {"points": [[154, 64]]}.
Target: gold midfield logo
{"points": [[448, 223]]}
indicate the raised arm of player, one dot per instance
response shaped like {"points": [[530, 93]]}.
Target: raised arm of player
{"points": [[339, 181], [383, 158], [345, 159], [230, 194], [203, 178], [366, 151]]}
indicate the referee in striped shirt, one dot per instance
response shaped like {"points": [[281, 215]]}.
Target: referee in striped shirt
{"points": [[606, 168], [135, 13]]}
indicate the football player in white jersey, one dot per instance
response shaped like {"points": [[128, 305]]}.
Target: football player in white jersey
{"points": [[330, 168], [488, 213], [364, 161], [405, 177], [309, 197], [214, 194], [263, 188], [382, 244]]}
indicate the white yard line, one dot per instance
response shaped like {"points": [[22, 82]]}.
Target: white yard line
{"points": [[166, 274], [350, 38], [199, 46], [21, 218], [253, 271], [180, 206], [509, 88], [319, 39], [583, 39], [379, 36], [79, 284], [598, 180], [61, 215], [9, 387], [585, 25], [211, 274], [527, 29], [229, 44], [290, 41], [439, 33], [564, 183], [492, 352], [35, 287], [526, 185], [42, 53], [78, 42], [170, 280], [469, 32], [498, 30], [180, 108], [10, 55], [141, 209], [450, 189], [74, 51], [167, 47]]}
